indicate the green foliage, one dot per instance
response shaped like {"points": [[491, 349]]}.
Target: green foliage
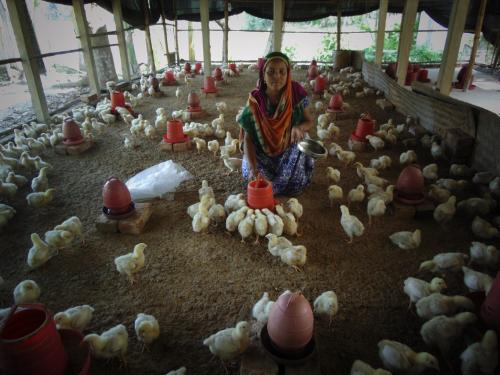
{"points": [[329, 44], [255, 23], [291, 52]]}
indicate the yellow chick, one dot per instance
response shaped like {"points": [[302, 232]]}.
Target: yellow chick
{"points": [[430, 171], [294, 256], [213, 146], [481, 357], [147, 328], [408, 157], [8, 190], [290, 224], [452, 261], [131, 263], [483, 229], [39, 253], [260, 226], [201, 144], [59, 239], [201, 220], [72, 225], [356, 195], [111, 343], [77, 317], [293, 205], [438, 194], [180, 371], [400, 358], [327, 304], [444, 212], [6, 213], [362, 368], [16, 179], [417, 289], [477, 281], [351, 224], [333, 175], [439, 304], [245, 226], [275, 222], [346, 157], [335, 193], [375, 207], [26, 291], [261, 310], [376, 142], [38, 200], [40, 182], [229, 343]]}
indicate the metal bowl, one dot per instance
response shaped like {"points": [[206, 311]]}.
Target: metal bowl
{"points": [[313, 148]]}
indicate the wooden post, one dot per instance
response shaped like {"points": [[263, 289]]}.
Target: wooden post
{"points": [[18, 13], [405, 39], [477, 35], [205, 30], [176, 38], [382, 16], [162, 8], [225, 52], [339, 26], [88, 55], [149, 45], [117, 13], [453, 38], [277, 24]]}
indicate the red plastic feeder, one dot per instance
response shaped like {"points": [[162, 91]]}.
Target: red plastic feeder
{"points": [[490, 310], [217, 74], [193, 102], [260, 194], [71, 132], [116, 199], [364, 127], [117, 99], [260, 62], [197, 67], [209, 85], [312, 72], [175, 132], [291, 323], [77, 350], [168, 78], [187, 68], [319, 85], [410, 77], [423, 75], [233, 68], [336, 104], [30, 343], [410, 186]]}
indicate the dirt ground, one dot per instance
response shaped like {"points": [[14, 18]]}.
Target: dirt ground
{"points": [[197, 284]]}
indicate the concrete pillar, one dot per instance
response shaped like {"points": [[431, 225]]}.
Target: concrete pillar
{"points": [[207, 58], [475, 45], [405, 39], [117, 13], [149, 45], [382, 16], [277, 24]]}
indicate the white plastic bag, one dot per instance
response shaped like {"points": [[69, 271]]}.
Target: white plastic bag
{"points": [[157, 180]]}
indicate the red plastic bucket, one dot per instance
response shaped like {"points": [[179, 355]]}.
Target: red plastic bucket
{"points": [[260, 194], [197, 67], [423, 75], [217, 74], [77, 350], [490, 310], [209, 85], [169, 76], [187, 67], [232, 66], [336, 102], [117, 99], [312, 73], [364, 127], [30, 343], [175, 132]]}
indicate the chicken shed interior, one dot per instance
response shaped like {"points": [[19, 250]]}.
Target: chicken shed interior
{"points": [[419, 274]]}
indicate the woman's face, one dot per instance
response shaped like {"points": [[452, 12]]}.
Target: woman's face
{"points": [[275, 75]]}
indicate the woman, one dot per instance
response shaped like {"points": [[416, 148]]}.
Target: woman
{"points": [[275, 119]]}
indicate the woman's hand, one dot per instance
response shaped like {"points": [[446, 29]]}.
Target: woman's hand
{"points": [[297, 134]]}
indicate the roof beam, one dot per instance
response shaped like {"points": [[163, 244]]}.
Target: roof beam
{"points": [[452, 45], [18, 14]]}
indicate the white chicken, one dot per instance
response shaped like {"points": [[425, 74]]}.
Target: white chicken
{"points": [[131, 263], [234, 202], [437, 151], [217, 214], [376, 142], [275, 222], [293, 205], [439, 304], [111, 343], [439, 194], [276, 243], [230, 342], [26, 291], [477, 281], [362, 368], [180, 371], [233, 164], [444, 261], [246, 226], [213, 146], [201, 220], [443, 332], [481, 358], [41, 199], [146, 328], [262, 308], [407, 240], [290, 223], [294, 256], [72, 225], [376, 207], [484, 255], [351, 224], [356, 195], [260, 225], [444, 212], [408, 157], [401, 359], [59, 239], [77, 317], [417, 288], [381, 163], [326, 304], [234, 218]]}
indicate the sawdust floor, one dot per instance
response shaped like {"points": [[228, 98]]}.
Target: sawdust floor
{"points": [[198, 284]]}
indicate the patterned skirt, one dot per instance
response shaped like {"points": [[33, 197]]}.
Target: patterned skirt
{"points": [[290, 172]]}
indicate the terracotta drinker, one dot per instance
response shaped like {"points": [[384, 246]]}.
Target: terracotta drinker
{"points": [[175, 132], [319, 85], [197, 67], [490, 310], [410, 185], [291, 323], [116, 198], [71, 132], [364, 127], [336, 103], [209, 85], [193, 102], [217, 74]]}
